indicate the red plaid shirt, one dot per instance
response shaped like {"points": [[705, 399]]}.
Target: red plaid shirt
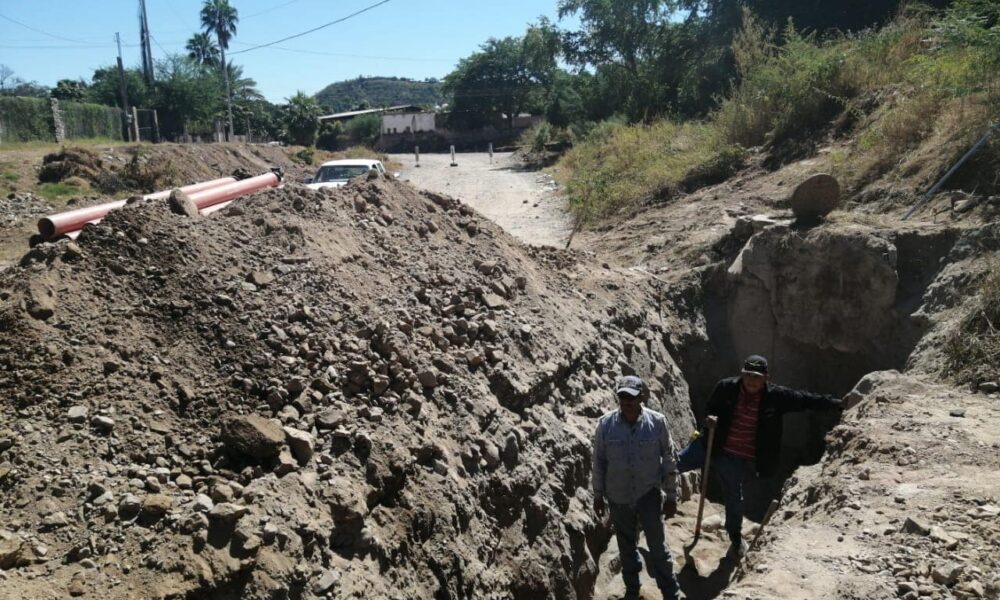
{"points": [[742, 438]]}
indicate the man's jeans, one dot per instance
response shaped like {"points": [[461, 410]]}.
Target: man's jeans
{"points": [[732, 471], [627, 519]]}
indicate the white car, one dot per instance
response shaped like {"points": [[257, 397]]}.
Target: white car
{"points": [[337, 173]]}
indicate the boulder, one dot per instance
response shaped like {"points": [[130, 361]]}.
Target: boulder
{"points": [[155, 506], [14, 553], [301, 443], [815, 197], [253, 436], [227, 512], [916, 525]]}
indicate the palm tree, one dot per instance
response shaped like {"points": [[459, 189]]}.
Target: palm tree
{"points": [[244, 88], [218, 17], [202, 50]]}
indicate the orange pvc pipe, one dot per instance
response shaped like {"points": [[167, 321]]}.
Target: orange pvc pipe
{"points": [[73, 220], [225, 193]]}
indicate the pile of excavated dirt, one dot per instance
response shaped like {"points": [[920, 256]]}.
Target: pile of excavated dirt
{"points": [[369, 392], [102, 174], [162, 164], [71, 162]]}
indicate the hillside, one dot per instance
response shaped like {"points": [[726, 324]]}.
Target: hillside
{"points": [[379, 91]]}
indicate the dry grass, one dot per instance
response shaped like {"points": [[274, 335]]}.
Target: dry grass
{"points": [[619, 166], [902, 104], [973, 349]]}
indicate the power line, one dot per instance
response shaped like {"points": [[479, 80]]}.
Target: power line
{"points": [[340, 20], [340, 55], [77, 47], [51, 35], [157, 42], [267, 10]]}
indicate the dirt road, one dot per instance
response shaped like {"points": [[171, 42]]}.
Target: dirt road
{"points": [[524, 203]]}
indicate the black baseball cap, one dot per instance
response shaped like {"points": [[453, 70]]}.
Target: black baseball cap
{"points": [[755, 364]]}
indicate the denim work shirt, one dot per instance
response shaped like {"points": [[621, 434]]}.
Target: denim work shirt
{"points": [[632, 458]]}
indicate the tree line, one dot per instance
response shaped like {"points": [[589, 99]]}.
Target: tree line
{"points": [[191, 91], [633, 59]]}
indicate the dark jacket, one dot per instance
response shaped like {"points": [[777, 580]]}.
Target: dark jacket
{"points": [[775, 401]]}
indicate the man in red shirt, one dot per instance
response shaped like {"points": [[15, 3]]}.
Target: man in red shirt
{"points": [[747, 413]]}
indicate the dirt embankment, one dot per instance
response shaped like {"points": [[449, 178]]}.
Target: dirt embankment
{"points": [[366, 392], [377, 392], [903, 500], [34, 183]]}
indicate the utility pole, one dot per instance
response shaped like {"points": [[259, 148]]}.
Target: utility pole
{"points": [[147, 52], [229, 97], [127, 116]]}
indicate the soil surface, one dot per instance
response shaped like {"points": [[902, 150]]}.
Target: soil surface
{"points": [[525, 203], [379, 392]]}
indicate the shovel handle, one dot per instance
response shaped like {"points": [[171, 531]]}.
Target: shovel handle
{"points": [[704, 479]]}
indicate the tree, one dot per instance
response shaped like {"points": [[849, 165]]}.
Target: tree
{"points": [[202, 50], [187, 92], [624, 40], [329, 134], [501, 79], [6, 78], [220, 18], [68, 89], [564, 104], [617, 32], [365, 129], [301, 119], [28, 89], [247, 100], [105, 88]]}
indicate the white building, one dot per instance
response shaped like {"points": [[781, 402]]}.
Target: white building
{"points": [[413, 122]]}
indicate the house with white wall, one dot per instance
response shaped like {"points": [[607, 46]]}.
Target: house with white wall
{"points": [[408, 122]]}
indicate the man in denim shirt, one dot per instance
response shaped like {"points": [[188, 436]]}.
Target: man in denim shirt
{"points": [[634, 468]]}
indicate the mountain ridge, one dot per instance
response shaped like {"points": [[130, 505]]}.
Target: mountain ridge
{"points": [[379, 91]]}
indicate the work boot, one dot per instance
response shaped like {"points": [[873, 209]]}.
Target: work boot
{"points": [[737, 548]]}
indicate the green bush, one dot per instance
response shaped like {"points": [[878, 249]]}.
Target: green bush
{"points": [[301, 119], [329, 136], [304, 156], [536, 137], [25, 120], [787, 94], [84, 120], [364, 129]]}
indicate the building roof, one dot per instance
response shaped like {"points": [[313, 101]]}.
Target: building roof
{"points": [[370, 111]]}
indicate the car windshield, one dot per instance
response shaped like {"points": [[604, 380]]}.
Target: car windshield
{"points": [[339, 173]]}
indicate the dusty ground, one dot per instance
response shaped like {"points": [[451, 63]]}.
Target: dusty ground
{"points": [[525, 203], [905, 504], [427, 387]]}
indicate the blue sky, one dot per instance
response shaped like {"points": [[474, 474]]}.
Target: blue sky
{"points": [[68, 39]]}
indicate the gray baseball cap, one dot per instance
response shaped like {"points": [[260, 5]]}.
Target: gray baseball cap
{"points": [[631, 385]]}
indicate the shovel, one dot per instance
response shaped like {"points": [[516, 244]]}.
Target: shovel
{"points": [[710, 422]]}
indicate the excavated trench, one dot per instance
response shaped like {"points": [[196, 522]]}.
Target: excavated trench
{"points": [[825, 305], [448, 381]]}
